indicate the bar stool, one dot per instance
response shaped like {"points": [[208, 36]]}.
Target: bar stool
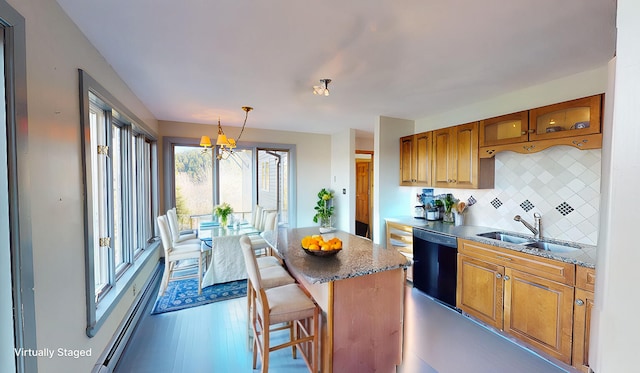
{"points": [[287, 305]]}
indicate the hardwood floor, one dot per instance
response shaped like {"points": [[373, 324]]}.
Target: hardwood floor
{"points": [[213, 338]]}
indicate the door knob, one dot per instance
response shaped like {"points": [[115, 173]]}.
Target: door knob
{"points": [[579, 302], [498, 275], [507, 278]]}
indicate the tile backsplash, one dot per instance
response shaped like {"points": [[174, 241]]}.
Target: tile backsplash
{"points": [[561, 183]]}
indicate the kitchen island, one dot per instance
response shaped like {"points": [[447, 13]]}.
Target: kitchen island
{"points": [[361, 293]]}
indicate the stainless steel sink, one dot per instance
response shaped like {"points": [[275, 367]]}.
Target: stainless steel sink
{"points": [[500, 236], [552, 247]]}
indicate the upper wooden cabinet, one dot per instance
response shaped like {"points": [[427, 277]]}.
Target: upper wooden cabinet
{"points": [[456, 160], [415, 159], [574, 123], [505, 129], [566, 119]]}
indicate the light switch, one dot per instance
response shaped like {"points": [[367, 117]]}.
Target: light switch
{"points": [[344, 191]]}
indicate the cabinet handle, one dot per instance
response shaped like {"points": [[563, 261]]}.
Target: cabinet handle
{"points": [[524, 133], [531, 130], [503, 257], [579, 302], [454, 181], [498, 275], [507, 278]]}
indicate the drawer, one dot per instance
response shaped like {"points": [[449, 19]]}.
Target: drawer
{"points": [[585, 278], [551, 269]]}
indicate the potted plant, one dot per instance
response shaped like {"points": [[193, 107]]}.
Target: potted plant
{"points": [[222, 212], [324, 210]]}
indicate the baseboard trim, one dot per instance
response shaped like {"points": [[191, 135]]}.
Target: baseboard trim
{"points": [[111, 354]]}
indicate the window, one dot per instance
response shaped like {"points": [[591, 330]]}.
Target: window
{"points": [[120, 178], [256, 173]]}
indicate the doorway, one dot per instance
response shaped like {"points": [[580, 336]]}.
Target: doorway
{"points": [[364, 189]]}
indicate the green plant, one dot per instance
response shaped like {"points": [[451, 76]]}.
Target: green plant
{"points": [[324, 208], [223, 211]]}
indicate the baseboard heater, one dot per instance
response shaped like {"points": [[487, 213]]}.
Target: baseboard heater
{"points": [[109, 358]]}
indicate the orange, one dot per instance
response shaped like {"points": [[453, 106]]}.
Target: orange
{"points": [[314, 247]]}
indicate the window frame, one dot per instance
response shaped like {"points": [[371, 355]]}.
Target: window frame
{"points": [[100, 303]]}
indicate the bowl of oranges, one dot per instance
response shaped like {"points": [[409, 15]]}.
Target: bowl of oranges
{"points": [[319, 246]]}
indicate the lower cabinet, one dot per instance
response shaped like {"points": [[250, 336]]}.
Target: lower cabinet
{"points": [[400, 237], [582, 309], [528, 297], [539, 312]]}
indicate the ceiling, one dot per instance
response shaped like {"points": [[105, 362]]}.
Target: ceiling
{"points": [[197, 60]]}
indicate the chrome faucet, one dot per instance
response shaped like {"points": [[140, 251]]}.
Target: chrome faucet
{"points": [[534, 229]]}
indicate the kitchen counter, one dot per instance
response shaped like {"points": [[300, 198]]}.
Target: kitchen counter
{"points": [[359, 256], [585, 256]]}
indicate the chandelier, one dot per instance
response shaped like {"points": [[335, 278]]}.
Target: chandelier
{"points": [[225, 144]]}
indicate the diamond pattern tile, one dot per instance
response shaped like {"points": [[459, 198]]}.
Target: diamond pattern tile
{"points": [[561, 183]]}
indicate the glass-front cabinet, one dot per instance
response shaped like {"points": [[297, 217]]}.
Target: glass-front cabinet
{"points": [[505, 129], [566, 119]]}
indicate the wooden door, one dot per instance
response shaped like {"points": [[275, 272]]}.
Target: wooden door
{"points": [[479, 289], [539, 312], [466, 158], [406, 160], [363, 184], [423, 147], [582, 309], [443, 151]]}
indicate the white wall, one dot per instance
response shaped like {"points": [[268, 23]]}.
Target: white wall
{"points": [[55, 50], [616, 324], [343, 176], [575, 86], [313, 157], [390, 199]]}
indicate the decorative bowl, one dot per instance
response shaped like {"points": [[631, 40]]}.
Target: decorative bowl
{"points": [[321, 252]]}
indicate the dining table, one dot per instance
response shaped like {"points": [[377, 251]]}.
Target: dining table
{"points": [[225, 262]]}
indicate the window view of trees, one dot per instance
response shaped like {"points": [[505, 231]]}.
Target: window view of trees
{"points": [[194, 183]]}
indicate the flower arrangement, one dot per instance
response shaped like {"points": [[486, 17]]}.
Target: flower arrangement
{"points": [[324, 209], [223, 211]]}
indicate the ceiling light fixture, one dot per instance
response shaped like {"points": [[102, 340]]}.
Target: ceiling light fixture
{"points": [[323, 89], [225, 144]]}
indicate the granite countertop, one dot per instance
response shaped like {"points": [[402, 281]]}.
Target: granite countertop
{"points": [[585, 256], [358, 257]]}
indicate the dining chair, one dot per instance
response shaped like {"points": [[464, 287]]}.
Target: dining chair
{"points": [[283, 307], [176, 235], [269, 223], [174, 253]]}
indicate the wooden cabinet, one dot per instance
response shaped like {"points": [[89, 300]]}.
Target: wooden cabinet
{"points": [[456, 160], [415, 159], [505, 129], [480, 290], [539, 312], [574, 123], [566, 119], [400, 237], [582, 310], [528, 297]]}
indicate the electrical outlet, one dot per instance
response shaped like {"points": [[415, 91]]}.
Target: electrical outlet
{"points": [[134, 290]]}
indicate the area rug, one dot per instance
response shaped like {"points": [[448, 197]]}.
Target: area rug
{"points": [[183, 294]]}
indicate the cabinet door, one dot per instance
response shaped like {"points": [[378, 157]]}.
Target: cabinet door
{"points": [[582, 310], [465, 155], [479, 290], [566, 119], [423, 147], [406, 160], [443, 151], [505, 129], [539, 312]]}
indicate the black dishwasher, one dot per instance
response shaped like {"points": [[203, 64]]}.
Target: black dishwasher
{"points": [[435, 265]]}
